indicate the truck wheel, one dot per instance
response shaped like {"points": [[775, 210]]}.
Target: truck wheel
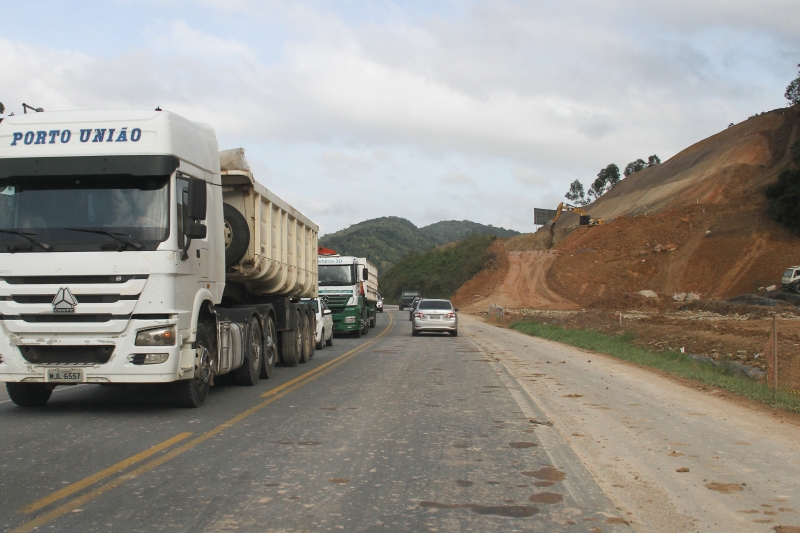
{"points": [[193, 392], [308, 342], [270, 351], [249, 372], [796, 288], [292, 342], [365, 321], [237, 235], [29, 394], [357, 333], [372, 322]]}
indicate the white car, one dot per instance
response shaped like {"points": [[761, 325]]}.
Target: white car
{"points": [[324, 333], [379, 305]]}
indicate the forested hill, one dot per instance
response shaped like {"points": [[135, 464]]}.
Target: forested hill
{"points": [[386, 240], [456, 230]]}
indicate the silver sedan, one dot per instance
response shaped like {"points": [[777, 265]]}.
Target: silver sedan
{"points": [[435, 315]]}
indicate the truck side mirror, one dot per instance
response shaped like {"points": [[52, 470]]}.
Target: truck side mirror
{"points": [[366, 274], [196, 230], [197, 200]]}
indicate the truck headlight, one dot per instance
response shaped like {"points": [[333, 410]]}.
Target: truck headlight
{"points": [[349, 320], [148, 358], [164, 336]]}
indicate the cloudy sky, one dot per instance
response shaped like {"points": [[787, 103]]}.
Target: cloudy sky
{"points": [[478, 110]]}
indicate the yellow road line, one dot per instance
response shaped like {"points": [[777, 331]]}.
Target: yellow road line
{"points": [[94, 478], [274, 395]]}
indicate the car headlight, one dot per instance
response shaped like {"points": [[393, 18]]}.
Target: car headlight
{"points": [[349, 320], [164, 336]]}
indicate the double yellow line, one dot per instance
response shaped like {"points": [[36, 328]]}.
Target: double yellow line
{"points": [[271, 395]]}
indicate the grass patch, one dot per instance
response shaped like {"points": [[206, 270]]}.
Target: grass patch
{"points": [[672, 362]]}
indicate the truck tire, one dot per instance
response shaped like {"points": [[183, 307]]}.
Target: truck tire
{"points": [[193, 392], [365, 321], [248, 374], [237, 235], [307, 351], [357, 333], [29, 394], [372, 321], [292, 343], [270, 351], [796, 288]]}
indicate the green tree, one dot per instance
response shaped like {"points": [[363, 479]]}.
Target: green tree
{"points": [[784, 196], [793, 90], [576, 194], [606, 178], [634, 166], [653, 160]]}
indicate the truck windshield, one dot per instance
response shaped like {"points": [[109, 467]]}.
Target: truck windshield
{"points": [[51, 209], [336, 275]]}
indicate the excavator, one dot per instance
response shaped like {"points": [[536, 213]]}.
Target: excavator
{"points": [[585, 218]]}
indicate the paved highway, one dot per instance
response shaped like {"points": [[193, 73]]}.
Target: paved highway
{"points": [[385, 433]]}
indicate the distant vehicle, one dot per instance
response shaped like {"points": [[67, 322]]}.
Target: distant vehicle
{"points": [[406, 297], [435, 315], [379, 304], [413, 307], [791, 279], [323, 336]]}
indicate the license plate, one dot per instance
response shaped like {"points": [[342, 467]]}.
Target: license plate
{"points": [[435, 317], [65, 375]]}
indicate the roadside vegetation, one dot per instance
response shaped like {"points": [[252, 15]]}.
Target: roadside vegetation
{"points": [[439, 272], [721, 377]]}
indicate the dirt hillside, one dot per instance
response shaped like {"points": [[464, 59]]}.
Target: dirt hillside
{"points": [[696, 223]]}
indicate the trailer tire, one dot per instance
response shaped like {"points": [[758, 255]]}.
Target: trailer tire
{"points": [[270, 352], [29, 394], [248, 374], [292, 343], [307, 348], [193, 392], [237, 235]]}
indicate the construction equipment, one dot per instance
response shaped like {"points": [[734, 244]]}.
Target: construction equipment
{"points": [[585, 218]]}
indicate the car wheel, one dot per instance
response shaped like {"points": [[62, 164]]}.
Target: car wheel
{"points": [[329, 342], [414, 333], [454, 333], [321, 344]]}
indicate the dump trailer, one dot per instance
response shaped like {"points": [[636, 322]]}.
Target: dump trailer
{"points": [[349, 286], [134, 252]]}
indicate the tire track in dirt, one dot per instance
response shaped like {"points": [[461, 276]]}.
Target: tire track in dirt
{"points": [[525, 285]]}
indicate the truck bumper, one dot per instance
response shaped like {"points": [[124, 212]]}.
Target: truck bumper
{"points": [[119, 368], [347, 320]]}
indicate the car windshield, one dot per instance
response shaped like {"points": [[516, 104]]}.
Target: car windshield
{"points": [[336, 275], [52, 208], [435, 304]]}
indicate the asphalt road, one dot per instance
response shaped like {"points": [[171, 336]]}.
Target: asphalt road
{"points": [[385, 433]]}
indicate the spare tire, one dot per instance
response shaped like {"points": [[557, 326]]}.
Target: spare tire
{"points": [[237, 235]]}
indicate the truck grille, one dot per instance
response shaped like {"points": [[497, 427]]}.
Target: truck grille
{"points": [[337, 301], [49, 355]]}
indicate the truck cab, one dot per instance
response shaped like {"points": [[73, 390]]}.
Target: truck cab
{"points": [[791, 279], [349, 286]]}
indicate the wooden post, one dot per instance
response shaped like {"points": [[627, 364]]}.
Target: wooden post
{"points": [[775, 351]]}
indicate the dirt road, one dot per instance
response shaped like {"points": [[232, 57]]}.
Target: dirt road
{"points": [[672, 458], [525, 285]]}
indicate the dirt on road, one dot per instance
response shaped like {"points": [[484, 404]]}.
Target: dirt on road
{"points": [[673, 458]]}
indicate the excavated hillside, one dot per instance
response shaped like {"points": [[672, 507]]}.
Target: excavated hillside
{"points": [[696, 223]]}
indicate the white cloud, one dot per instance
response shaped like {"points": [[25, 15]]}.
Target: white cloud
{"points": [[528, 176], [457, 178]]}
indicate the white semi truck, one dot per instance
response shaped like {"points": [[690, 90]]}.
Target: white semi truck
{"points": [[349, 286], [130, 255]]}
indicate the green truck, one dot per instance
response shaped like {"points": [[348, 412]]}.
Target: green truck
{"points": [[349, 286]]}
